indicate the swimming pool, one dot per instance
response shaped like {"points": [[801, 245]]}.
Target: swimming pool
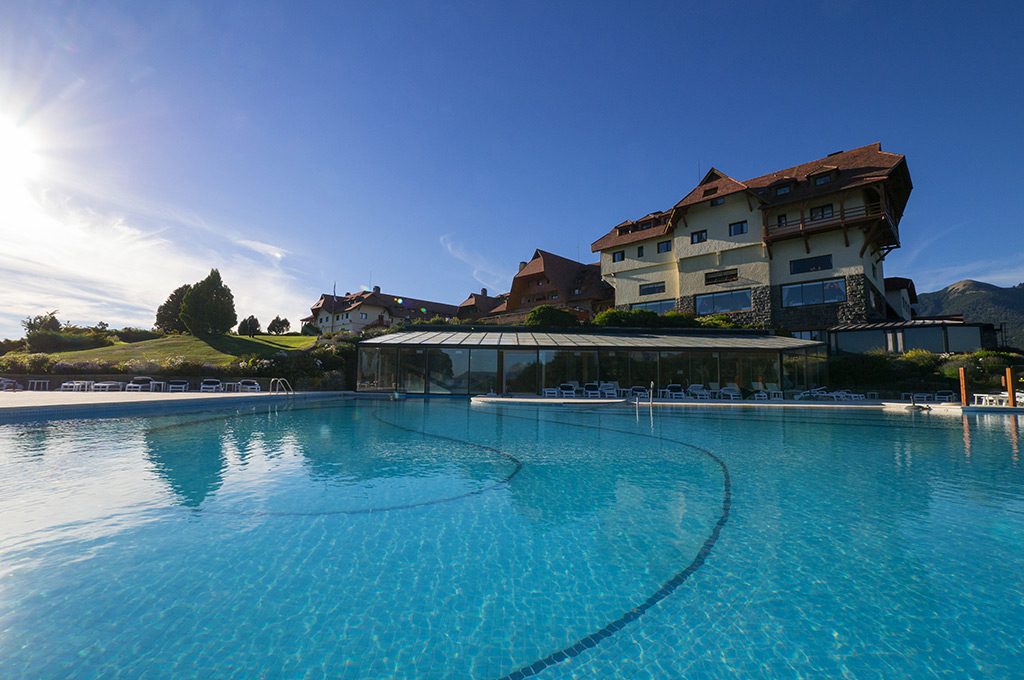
{"points": [[439, 539]]}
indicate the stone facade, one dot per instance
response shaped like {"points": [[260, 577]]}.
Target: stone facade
{"points": [[767, 310]]}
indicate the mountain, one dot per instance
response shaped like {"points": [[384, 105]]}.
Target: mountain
{"points": [[979, 301]]}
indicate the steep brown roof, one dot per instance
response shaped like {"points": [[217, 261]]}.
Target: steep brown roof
{"points": [[483, 303], [397, 305], [631, 231], [856, 167], [900, 282]]}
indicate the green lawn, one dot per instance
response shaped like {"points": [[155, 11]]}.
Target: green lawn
{"points": [[219, 351]]}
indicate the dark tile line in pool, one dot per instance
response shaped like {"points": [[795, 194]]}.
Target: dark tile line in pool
{"points": [[593, 639], [518, 466]]}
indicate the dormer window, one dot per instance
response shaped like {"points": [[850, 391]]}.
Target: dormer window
{"points": [[822, 180], [783, 190], [710, 192]]}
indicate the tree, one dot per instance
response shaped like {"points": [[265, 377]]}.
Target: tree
{"points": [[551, 317], [43, 322], [250, 326], [208, 308], [168, 315], [278, 326], [310, 329]]}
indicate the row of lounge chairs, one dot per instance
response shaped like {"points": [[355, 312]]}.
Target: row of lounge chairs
{"points": [[611, 390], [148, 384]]}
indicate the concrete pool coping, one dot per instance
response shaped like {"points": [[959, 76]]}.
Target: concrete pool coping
{"points": [[704, 403], [17, 406]]}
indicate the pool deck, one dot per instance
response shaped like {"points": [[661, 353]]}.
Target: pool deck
{"points": [[25, 404], [733, 403]]}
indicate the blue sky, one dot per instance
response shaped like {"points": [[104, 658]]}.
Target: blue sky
{"points": [[428, 147]]}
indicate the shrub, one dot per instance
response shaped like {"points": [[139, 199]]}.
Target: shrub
{"points": [[310, 329], [11, 346], [48, 341], [546, 315], [716, 321], [333, 380], [617, 318], [129, 334]]}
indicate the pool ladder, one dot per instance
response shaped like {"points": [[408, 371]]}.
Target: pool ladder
{"points": [[281, 386]]}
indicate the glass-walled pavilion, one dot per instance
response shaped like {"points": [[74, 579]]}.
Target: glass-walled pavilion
{"points": [[524, 363]]}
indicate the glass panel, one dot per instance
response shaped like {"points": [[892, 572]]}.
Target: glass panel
{"points": [[483, 376], [763, 368], [835, 290], [704, 368], [813, 294], [705, 305], [377, 369], [792, 296], [794, 367], [413, 363], [963, 338], [923, 338], [520, 371], [556, 367], [674, 367], [614, 367], [729, 369], [449, 370], [860, 341], [643, 369]]}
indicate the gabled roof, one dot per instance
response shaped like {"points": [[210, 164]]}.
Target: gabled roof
{"points": [[715, 184], [899, 283], [484, 303], [396, 305], [856, 167]]}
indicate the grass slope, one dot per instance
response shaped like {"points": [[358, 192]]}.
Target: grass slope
{"points": [[219, 351], [979, 301]]}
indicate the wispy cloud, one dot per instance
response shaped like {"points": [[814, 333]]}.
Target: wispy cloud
{"points": [[483, 270], [117, 265]]}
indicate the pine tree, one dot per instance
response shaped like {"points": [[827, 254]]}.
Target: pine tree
{"points": [[208, 308], [168, 315]]}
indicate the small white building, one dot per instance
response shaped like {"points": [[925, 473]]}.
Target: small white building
{"points": [[352, 312]]}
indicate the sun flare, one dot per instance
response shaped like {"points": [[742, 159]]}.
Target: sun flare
{"points": [[19, 156]]}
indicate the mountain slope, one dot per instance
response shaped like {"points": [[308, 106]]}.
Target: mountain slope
{"points": [[979, 301]]}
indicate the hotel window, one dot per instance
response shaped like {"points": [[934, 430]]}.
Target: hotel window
{"points": [[738, 228], [810, 264], [822, 180], [782, 220], [554, 296], [618, 256], [717, 201], [822, 212], [652, 288], [724, 276], [576, 291], [719, 303], [639, 251], [699, 236], [664, 246], [814, 293], [783, 190], [362, 315]]}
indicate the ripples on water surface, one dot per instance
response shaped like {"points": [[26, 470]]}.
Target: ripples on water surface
{"points": [[344, 541]]}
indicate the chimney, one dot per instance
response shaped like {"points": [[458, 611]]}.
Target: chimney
{"points": [[522, 265], [376, 289], [483, 291]]}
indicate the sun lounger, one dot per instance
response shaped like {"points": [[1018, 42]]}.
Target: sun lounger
{"points": [[591, 391], [107, 386], [730, 391], [945, 396], [640, 392], [177, 386], [675, 391], [567, 391], [142, 383], [8, 385], [609, 390], [550, 392], [210, 385], [697, 391], [249, 385]]}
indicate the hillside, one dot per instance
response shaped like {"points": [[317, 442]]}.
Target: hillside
{"points": [[219, 351], [979, 301]]}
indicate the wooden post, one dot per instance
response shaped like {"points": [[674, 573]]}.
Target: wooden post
{"points": [[963, 386], [1011, 389]]}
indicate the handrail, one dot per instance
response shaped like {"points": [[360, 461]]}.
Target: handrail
{"points": [[280, 386], [838, 217]]}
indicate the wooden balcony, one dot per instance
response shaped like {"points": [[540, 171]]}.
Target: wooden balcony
{"points": [[840, 219]]}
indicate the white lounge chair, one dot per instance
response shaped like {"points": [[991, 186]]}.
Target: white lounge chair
{"points": [[249, 385], [946, 396], [730, 392], [177, 386], [107, 386], [639, 392], [774, 392], [142, 383], [697, 391], [8, 385], [675, 391], [550, 392], [567, 391], [211, 385], [591, 391], [609, 390]]}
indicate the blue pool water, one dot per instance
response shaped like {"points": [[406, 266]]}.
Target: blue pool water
{"points": [[434, 539]]}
